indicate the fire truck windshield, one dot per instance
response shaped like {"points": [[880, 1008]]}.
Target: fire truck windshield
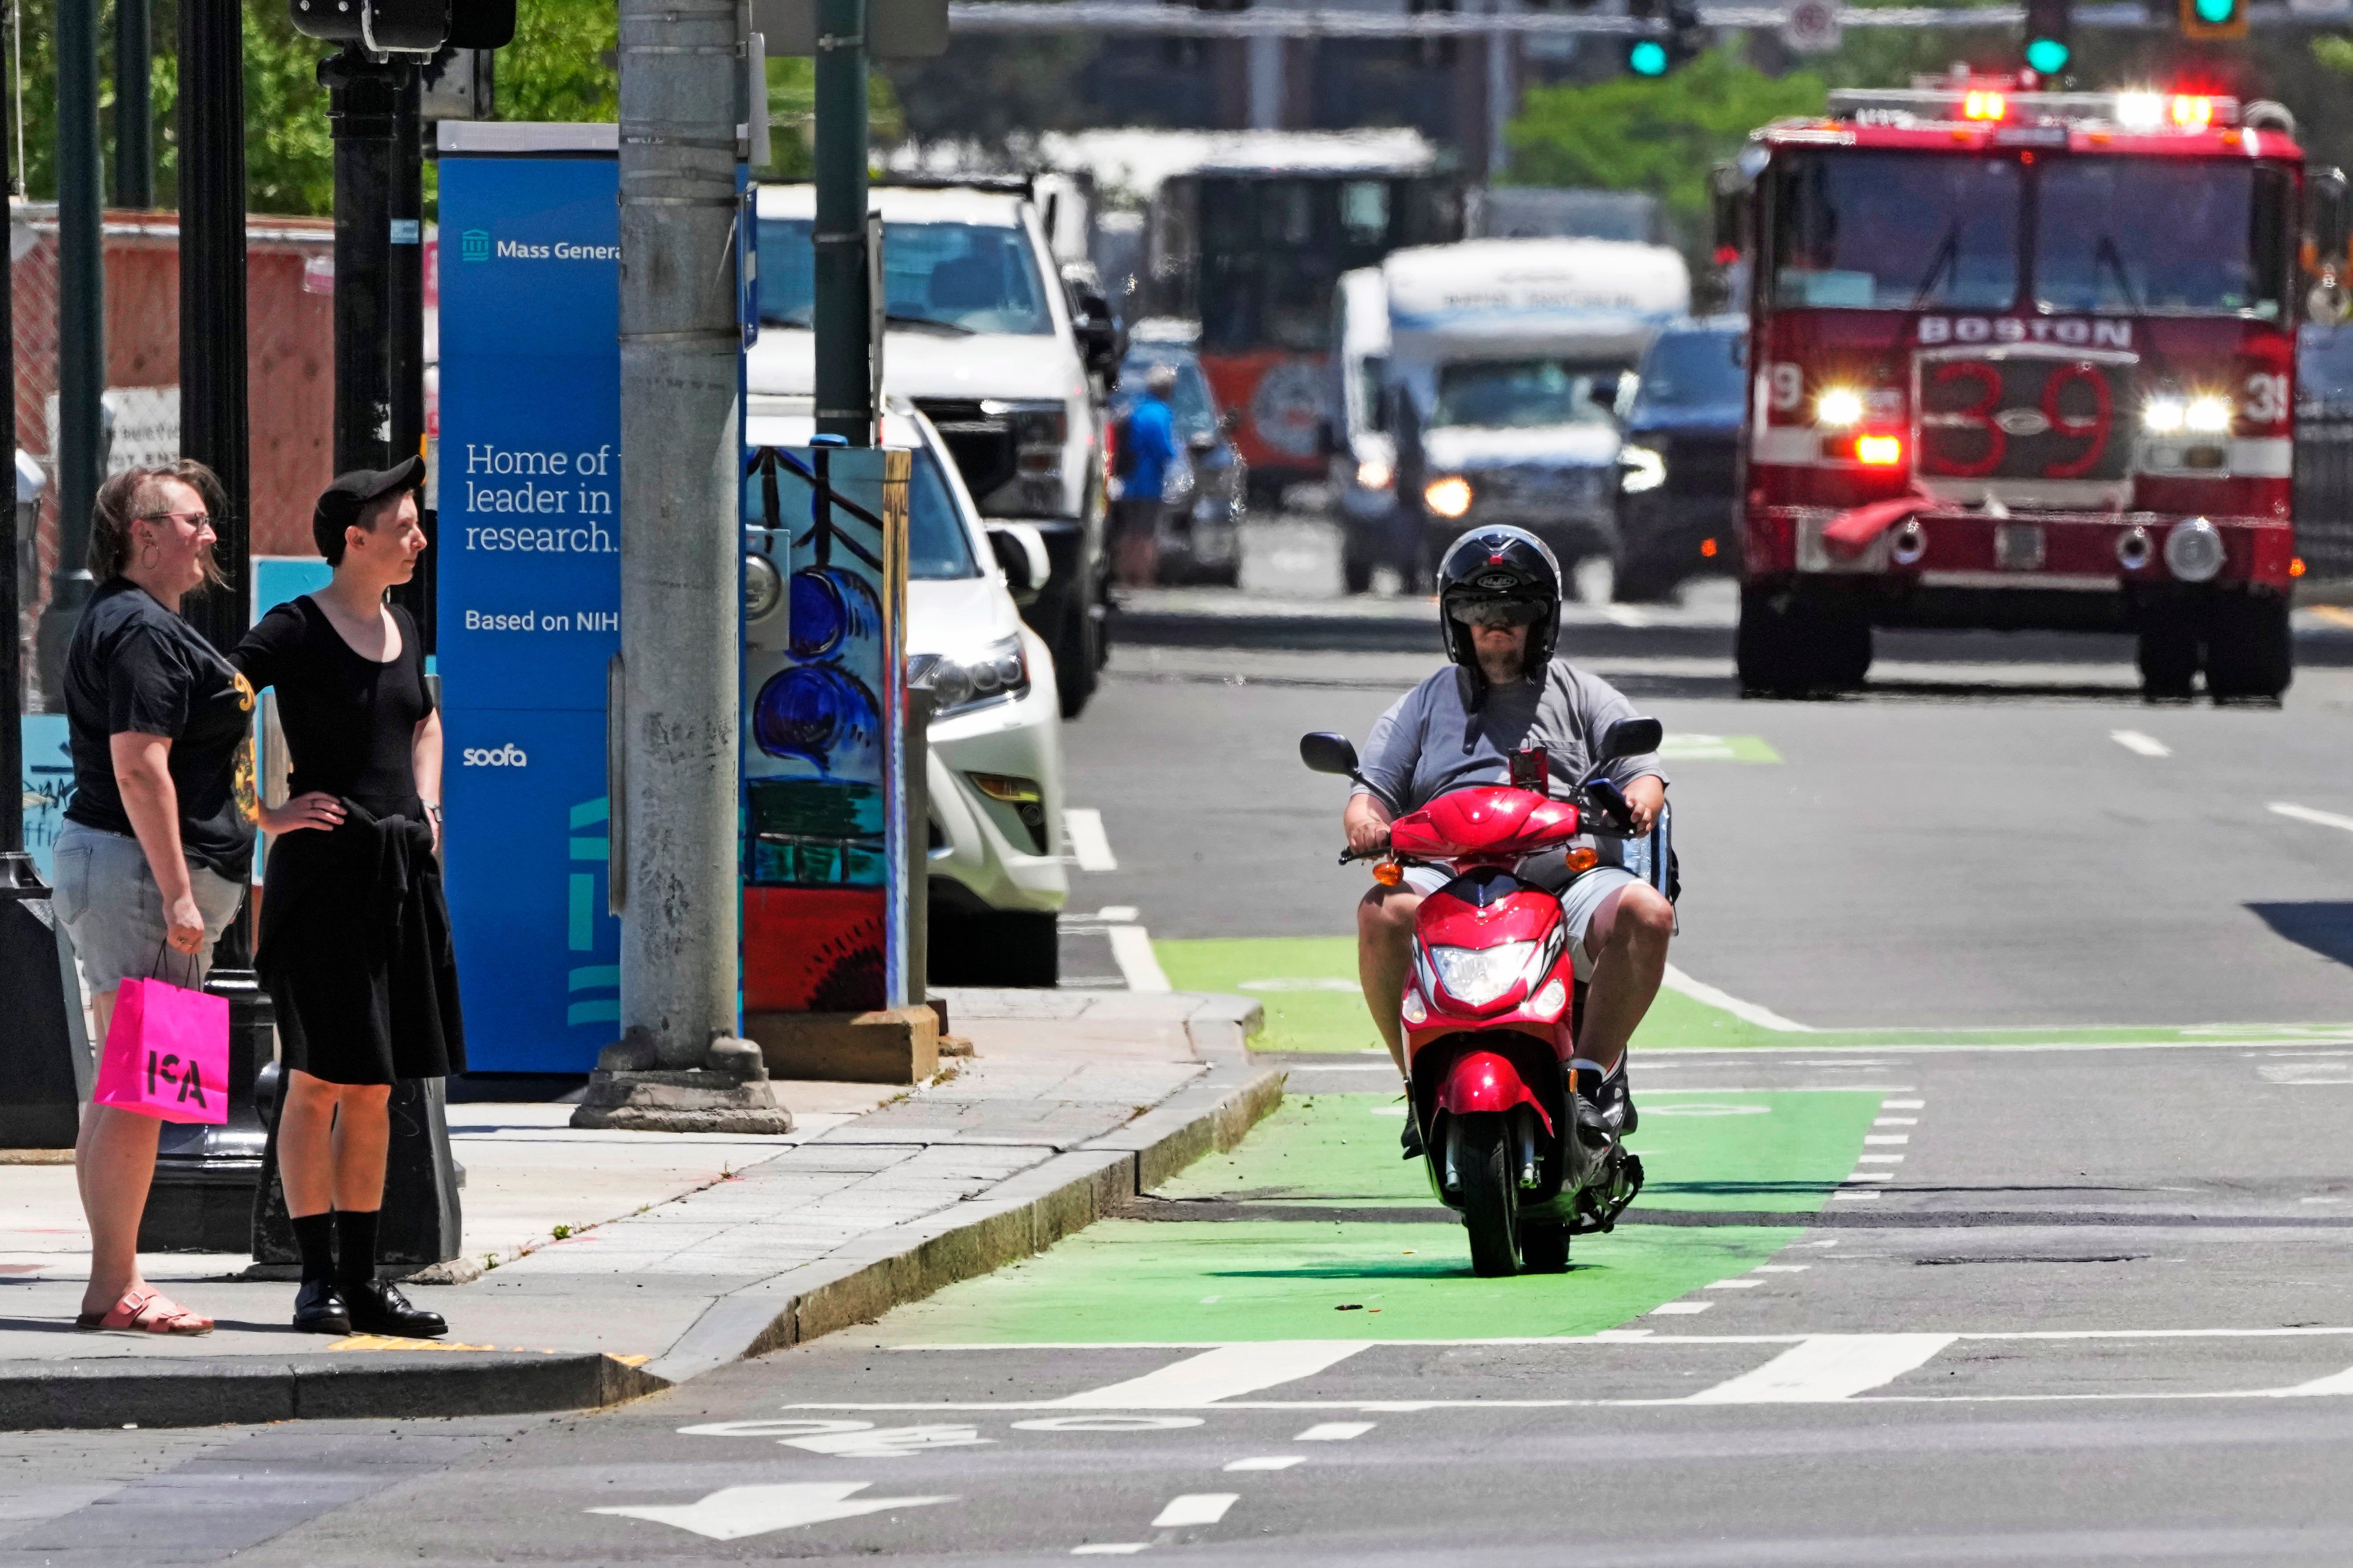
{"points": [[1895, 231], [2161, 235]]}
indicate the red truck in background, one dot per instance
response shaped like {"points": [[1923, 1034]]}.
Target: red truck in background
{"points": [[2025, 360]]}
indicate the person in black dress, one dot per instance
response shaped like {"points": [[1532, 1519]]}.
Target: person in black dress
{"points": [[355, 935]]}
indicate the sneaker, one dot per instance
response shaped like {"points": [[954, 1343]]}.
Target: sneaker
{"points": [[1410, 1139]]}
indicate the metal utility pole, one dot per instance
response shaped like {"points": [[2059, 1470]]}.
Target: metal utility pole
{"points": [[680, 1065], [405, 327], [206, 1177], [845, 386], [134, 113], [364, 97], [40, 1029], [81, 331]]}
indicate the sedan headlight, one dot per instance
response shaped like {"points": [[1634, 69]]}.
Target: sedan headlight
{"points": [[999, 670], [1477, 975], [1643, 470], [1448, 497]]}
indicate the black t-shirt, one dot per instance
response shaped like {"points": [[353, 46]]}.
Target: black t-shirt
{"points": [[350, 721], [136, 668]]}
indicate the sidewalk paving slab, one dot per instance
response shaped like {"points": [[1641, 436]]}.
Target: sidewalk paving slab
{"points": [[679, 1253]]}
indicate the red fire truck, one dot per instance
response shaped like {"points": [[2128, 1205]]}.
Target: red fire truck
{"points": [[2024, 359]]}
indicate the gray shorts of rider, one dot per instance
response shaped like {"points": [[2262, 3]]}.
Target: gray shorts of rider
{"points": [[1580, 902]]}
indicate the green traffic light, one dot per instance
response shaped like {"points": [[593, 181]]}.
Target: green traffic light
{"points": [[2049, 56], [1648, 57], [2214, 12]]}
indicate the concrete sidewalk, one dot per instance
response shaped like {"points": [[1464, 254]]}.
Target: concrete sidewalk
{"points": [[620, 1262]]}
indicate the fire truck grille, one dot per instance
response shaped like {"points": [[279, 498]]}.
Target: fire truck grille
{"points": [[2026, 415]]}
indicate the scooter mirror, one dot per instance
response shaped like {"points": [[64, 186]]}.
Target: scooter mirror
{"points": [[1630, 737], [1326, 752]]}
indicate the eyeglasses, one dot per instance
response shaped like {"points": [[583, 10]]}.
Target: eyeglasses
{"points": [[1496, 613], [195, 519]]}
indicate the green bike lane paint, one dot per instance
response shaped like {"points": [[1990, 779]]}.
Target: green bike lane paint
{"points": [[1359, 1277]]}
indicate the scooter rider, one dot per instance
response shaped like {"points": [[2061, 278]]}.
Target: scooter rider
{"points": [[1499, 608]]}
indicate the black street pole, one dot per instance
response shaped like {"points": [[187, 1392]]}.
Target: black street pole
{"points": [[364, 97], [206, 1177], [41, 1035], [134, 113], [81, 333], [404, 314]]}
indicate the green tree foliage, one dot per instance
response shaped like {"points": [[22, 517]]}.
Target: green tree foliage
{"points": [[1662, 136]]}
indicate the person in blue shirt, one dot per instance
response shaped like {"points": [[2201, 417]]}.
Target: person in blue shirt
{"points": [[1147, 450]]}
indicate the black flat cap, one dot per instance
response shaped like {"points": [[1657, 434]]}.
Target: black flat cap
{"points": [[340, 503]]}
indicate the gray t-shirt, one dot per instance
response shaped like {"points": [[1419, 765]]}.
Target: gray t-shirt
{"points": [[1429, 741]]}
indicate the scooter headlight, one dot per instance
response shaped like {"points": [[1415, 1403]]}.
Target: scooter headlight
{"points": [[1477, 975], [1548, 1002]]}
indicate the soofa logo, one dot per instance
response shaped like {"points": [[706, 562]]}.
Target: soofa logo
{"points": [[507, 756]]}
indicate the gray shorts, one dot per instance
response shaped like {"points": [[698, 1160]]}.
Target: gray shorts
{"points": [[111, 907], [1579, 904]]}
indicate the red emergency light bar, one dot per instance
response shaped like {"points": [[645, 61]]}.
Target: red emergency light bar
{"points": [[1996, 103]]}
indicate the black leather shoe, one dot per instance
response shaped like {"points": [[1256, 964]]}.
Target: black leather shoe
{"points": [[319, 1308], [378, 1308]]}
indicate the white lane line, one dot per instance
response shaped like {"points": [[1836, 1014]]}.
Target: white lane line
{"points": [[1673, 1309], [1856, 1197], [1782, 1268], [1083, 826], [1109, 1548], [1221, 1374], [1268, 1462], [1334, 1431], [2305, 814], [1896, 1122], [1825, 1369], [1886, 1137], [1868, 1177], [1734, 1285], [2147, 745], [1131, 949], [1903, 1105], [1879, 1159], [1560, 1341], [2335, 1383], [1724, 1001], [1196, 1508]]}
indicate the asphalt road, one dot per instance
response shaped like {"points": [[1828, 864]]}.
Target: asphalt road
{"points": [[2011, 1229]]}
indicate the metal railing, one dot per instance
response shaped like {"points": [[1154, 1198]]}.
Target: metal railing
{"points": [[2324, 490]]}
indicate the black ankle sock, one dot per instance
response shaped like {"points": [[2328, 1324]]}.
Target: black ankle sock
{"points": [[314, 1234], [355, 1232]]}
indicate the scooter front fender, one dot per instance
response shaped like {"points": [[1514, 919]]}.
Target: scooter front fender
{"points": [[1485, 1081]]}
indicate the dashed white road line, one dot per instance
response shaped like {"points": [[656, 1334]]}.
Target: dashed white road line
{"points": [[1083, 825], [1268, 1462], [1109, 1548], [1195, 1508], [1782, 1268], [1735, 1285], [1880, 1159], [1221, 1374], [1860, 1196], [1871, 1138], [1334, 1431], [1903, 1104], [1827, 1368], [1131, 949], [2305, 814], [1673, 1309], [2147, 745]]}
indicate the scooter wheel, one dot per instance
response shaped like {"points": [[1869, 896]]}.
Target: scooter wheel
{"points": [[1490, 1195], [1544, 1246]]}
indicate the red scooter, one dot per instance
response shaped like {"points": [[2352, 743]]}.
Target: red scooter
{"points": [[1491, 1006]]}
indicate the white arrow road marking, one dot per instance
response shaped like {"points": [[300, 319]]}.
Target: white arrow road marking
{"points": [[1084, 828], [735, 1512], [1131, 949], [1195, 1508], [2147, 745], [1221, 1374], [889, 1442], [2318, 818], [1826, 1368]]}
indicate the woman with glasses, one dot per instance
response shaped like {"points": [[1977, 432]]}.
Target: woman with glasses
{"points": [[151, 864]]}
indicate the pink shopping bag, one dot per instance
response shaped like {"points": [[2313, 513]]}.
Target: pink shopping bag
{"points": [[166, 1054]]}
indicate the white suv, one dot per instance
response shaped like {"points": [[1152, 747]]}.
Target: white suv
{"points": [[982, 336], [994, 776]]}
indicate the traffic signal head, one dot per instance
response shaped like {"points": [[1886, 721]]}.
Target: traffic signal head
{"points": [[1647, 57], [408, 27], [2049, 29], [2214, 19], [2048, 56], [1657, 55]]}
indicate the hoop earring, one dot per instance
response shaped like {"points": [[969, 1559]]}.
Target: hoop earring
{"points": [[149, 556]]}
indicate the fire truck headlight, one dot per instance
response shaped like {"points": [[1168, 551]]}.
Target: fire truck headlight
{"points": [[1641, 470], [2140, 110], [2164, 415], [1839, 407], [2208, 415], [1372, 474], [2194, 551], [1448, 497]]}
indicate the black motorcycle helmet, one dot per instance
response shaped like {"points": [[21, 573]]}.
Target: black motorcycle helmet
{"points": [[1507, 567]]}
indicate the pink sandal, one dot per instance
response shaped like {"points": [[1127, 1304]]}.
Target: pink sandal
{"points": [[147, 1311]]}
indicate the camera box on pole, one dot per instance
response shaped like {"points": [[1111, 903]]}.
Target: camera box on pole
{"points": [[528, 484]]}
